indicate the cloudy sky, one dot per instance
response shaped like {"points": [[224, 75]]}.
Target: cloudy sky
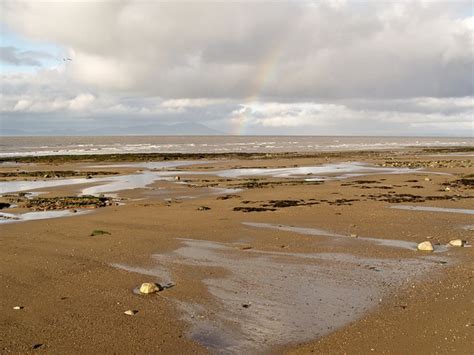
{"points": [[251, 67]]}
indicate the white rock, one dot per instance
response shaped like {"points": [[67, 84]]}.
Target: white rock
{"points": [[354, 235], [149, 287], [427, 179], [18, 307], [130, 312], [456, 243], [425, 246]]}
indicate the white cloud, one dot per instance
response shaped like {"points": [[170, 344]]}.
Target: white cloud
{"points": [[297, 50], [307, 67], [186, 103], [271, 114], [80, 102]]}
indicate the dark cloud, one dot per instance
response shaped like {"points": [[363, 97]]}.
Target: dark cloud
{"points": [[284, 50]]}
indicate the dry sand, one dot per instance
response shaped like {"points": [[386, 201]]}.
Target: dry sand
{"points": [[324, 267]]}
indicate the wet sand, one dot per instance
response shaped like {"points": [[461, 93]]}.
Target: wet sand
{"points": [[274, 254]]}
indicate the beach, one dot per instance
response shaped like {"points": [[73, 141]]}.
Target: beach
{"points": [[254, 252]]}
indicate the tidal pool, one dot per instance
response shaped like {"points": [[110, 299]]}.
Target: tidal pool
{"points": [[271, 298], [433, 209], [393, 243], [140, 180], [339, 170], [31, 216]]}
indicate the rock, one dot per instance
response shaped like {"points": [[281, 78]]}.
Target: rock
{"points": [[18, 307], [427, 179], [203, 208], [167, 285], [447, 189], [130, 312], [425, 246], [354, 235], [4, 205], [97, 232], [177, 178], [149, 287], [456, 243]]}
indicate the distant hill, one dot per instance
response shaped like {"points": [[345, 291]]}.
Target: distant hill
{"points": [[156, 129], [13, 132]]}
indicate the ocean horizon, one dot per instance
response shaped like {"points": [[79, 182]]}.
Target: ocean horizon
{"points": [[78, 145]]}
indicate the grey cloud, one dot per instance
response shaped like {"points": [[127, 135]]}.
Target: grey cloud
{"points": [[421, 105], [14, 56], [278, 50], [51, 100], [326, 67]]}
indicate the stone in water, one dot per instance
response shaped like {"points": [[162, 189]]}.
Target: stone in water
{"points": [[456, 243], [149, 287], [425, 246]]}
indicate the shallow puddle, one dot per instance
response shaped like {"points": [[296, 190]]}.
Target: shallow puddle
{"points": [[153, 165], [31, 216], [109, 184], [340, 170], [124, 182], [271, 298], [433, 209], [18, 186], [106, 184], [394, 243]]}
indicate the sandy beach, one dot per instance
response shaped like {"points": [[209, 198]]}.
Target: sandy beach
{"points": [[237, 177], [254, 253]]}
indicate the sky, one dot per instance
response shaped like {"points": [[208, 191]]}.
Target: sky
{"points": [[329, 67]]}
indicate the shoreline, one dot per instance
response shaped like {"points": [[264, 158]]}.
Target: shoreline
{"points": [[116, 157]]}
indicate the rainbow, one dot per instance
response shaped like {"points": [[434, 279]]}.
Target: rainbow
{"points": [[265, 72]]}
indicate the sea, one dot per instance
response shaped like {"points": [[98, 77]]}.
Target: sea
{"points": [[77, 145]]}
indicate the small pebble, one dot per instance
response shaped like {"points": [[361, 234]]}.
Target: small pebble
{"points": [[130, 312], [246, 247], [18, 307], [456, 243]]}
